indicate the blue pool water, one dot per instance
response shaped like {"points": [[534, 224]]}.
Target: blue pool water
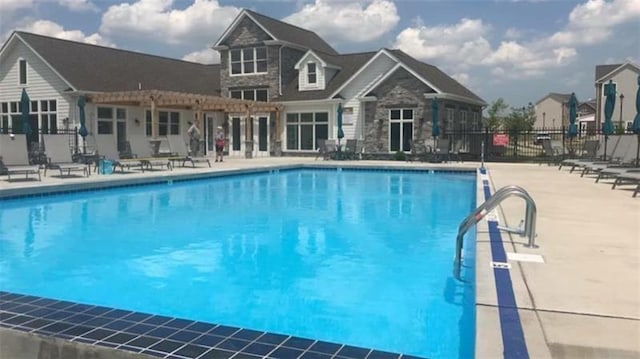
{"points": [[354, 257]]}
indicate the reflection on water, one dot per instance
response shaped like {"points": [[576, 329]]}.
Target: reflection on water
{"points": [[339, 256]]}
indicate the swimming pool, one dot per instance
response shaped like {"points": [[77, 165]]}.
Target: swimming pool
{"points": [[356, 257]]}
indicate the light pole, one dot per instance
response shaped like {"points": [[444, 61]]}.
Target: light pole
{"points": [[621, 98], [544, 114]]}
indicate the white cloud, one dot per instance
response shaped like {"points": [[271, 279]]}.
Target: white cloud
{"points": [[593, 22], [50, 28], [513, 33], [200, 23], [347, 21], [78, 5], [9, 6], [205, 56]]}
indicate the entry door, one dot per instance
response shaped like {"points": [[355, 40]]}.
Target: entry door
{"points": [[261, 136], [121, 135], [236, 137]]}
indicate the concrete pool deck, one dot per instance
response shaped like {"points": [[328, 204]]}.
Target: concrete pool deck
{"points": [[583, 301]]}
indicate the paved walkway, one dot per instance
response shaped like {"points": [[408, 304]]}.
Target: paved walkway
{"points": [[584, 301]]}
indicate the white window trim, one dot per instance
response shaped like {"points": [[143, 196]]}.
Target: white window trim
{"points": [[401, 121], [255, 93], [299, 123], [255, 61]]}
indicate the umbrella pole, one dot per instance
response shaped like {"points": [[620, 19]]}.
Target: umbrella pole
{"points": [[604, 155], [638, 152]]}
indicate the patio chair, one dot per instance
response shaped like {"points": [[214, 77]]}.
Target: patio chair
{"points": [[141, 150], [553, 155], [108, 150], [180, 152], [617, 165], [15, 156], [326, 149], [614, 158], [59, 156], [441, 152], [359, 150]]}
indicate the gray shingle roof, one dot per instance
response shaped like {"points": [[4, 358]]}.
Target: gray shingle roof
{"points": [[602, 70], [560, 97], [349, 64], [297, 35], [97, 68], [435, 76]]}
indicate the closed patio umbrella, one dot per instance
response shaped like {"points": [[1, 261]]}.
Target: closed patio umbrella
{"points": [[83, 128], [339, 123], [24, 116], [636, 123], [435, 130], [609, 104]]}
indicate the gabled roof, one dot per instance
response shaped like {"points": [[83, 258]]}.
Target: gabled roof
{"points": [[436, 77], [602, 70], [349, 64], [559, 97], [97, 68], [282, 31], [614, 69]]}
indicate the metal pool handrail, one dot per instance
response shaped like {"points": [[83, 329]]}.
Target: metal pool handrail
{"points": [[493, 201]]}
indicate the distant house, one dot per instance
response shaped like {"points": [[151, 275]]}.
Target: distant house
{"points": [[386, 95], [552, 111], [586, 116], [625, 78]]}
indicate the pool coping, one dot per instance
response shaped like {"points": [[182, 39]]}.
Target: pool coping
{"points": [[482, 234]]}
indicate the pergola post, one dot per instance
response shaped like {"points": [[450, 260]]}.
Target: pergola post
{"points": [[248, 134], [278, 142], [154, 142]]}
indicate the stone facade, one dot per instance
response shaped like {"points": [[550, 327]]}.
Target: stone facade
{"points": [[400, 90]]}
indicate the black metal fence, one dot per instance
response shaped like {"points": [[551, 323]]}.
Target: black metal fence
{"points": [[515, 146]]}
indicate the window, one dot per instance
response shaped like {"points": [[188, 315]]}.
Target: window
{"points": [[168, 123], [251, 60], [48, 115], [105, 120], [311, 73], [251, 94], [305, 129], [23, 71], [400, 129], [4, 117]]}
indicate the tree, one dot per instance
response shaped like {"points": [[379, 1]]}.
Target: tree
{"points": [[495, 114], [520, 119]]}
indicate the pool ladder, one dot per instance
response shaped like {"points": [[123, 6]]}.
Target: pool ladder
{"points": [[503, 193]]}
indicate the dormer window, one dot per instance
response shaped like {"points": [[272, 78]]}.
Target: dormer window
{"points": [[311, 73], [23, 71], [248, 61]]}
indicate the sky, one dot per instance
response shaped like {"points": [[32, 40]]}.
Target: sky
{"points": [[517, 50]]}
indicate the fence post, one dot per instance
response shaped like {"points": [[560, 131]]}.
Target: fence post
{"points": [[484, 140], [515, 147]]}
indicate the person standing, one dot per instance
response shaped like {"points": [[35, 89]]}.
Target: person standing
{"points": [[194, 138], [220, 142]]}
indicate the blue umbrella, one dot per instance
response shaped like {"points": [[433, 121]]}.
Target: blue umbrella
{"points": [[435, 130], [24, 105], [609, 104], [339, 123], [573, 114], [83, 128], [636, 123]]}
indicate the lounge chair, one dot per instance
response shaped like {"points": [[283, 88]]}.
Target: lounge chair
{"points": [[590, 152], [59, 156], [629, 176], [15, 157], [141, 150], [179, 151], [326, 149], [442, 153], [553, 155], [621, 157], [107, 150]]}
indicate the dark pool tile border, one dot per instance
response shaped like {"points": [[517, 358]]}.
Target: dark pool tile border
{"points": [[162, 336]]}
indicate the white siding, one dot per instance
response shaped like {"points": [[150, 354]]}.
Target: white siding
{"points": [[358, 87], [42, 82], [303, 79], [552, 110], [626, 83]]}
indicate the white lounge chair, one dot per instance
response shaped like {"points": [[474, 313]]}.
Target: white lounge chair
{"points": [[108, 150], [15, 157], [59, 156], [179, 148], [141, 150]]}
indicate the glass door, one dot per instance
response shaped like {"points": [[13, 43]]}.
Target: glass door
{"points": [[261, 136], [121, 135]]}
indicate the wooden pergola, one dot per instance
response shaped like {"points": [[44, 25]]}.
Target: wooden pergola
{"points": [[187, 101]]}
